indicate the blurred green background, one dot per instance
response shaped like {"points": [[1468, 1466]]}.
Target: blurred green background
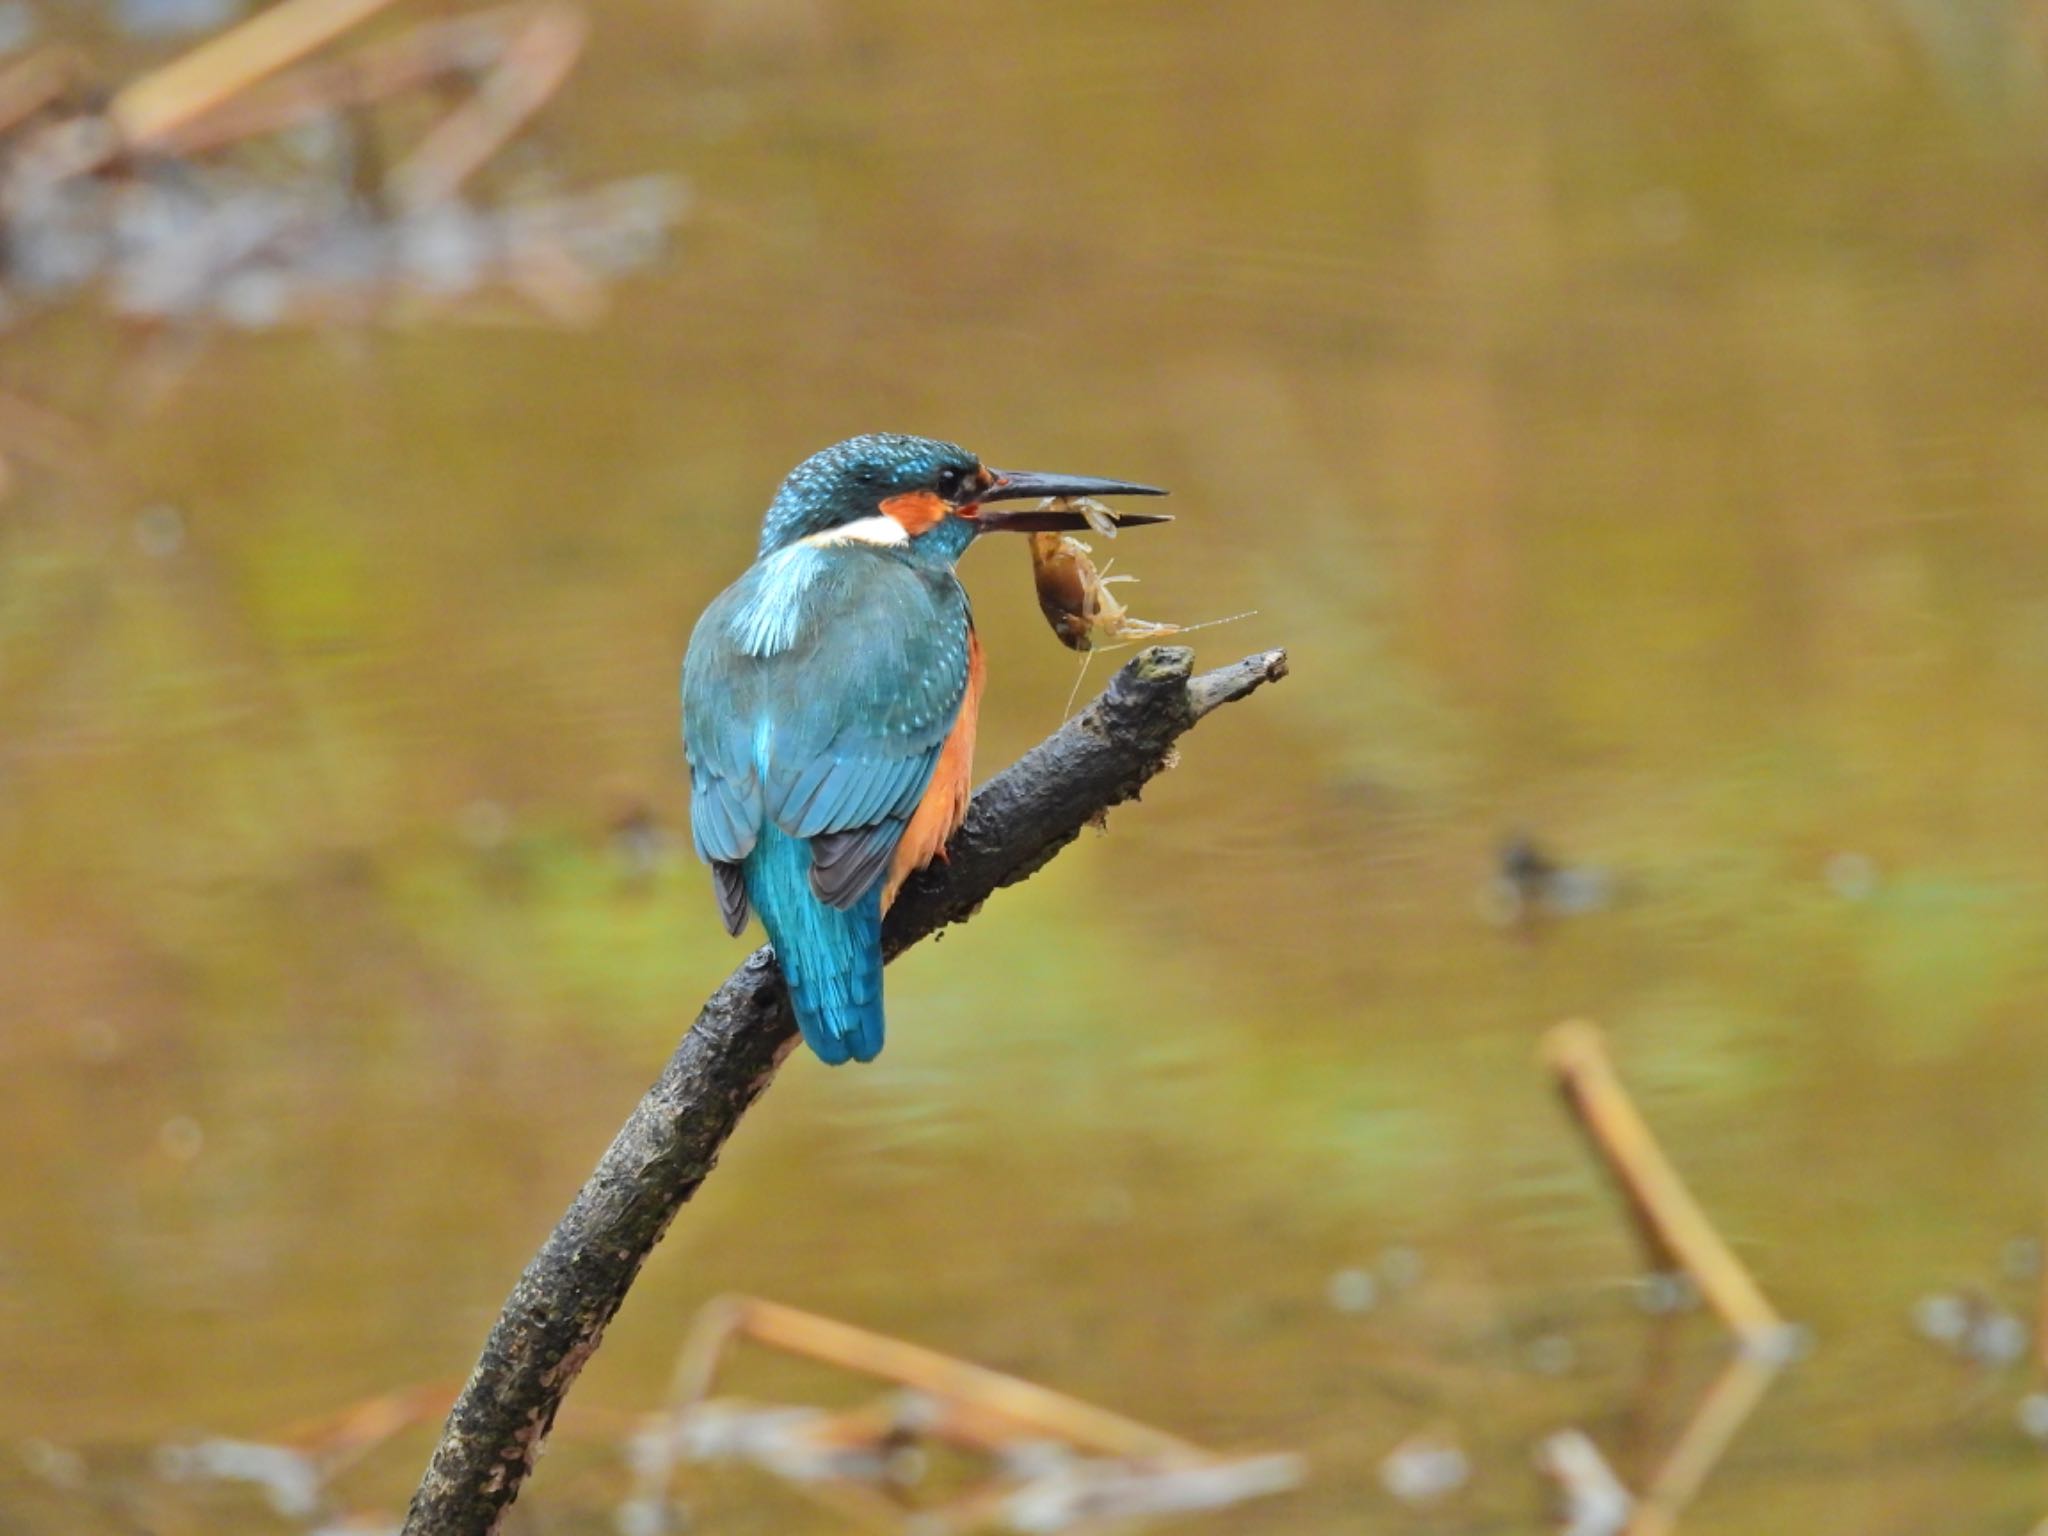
{"points": [[1634, 421]]}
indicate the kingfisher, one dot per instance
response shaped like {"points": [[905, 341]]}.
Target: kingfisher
{"points": [[829, 704]]}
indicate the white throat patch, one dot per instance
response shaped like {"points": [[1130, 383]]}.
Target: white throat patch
{"points": [[879, 529]]}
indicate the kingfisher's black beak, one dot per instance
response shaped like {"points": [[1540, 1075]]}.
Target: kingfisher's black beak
{"points": [[1029, 485]]}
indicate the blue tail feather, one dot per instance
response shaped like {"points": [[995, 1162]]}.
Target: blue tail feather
{"points": [[831, 958]]}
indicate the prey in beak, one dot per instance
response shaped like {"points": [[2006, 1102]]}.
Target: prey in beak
{"points": [[1030, 485]]}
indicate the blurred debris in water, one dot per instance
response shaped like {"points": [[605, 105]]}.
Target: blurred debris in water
{"points": [[1075, 1492], [1425, 1468], [1989, 1334], [210, 1482], [1972, 1325], [1353, 1290], [1665, 1292], [2032, 1415], [1551, 1354], [288, 1479], [1529, 883], [57, 1465], [1591, 1499], [1034, 1459], [295, 1473], [803, 1445], [237, 185]]}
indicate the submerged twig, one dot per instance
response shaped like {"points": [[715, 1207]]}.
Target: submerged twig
{"points": [[537, 58], [1677, 1235], [1018, 1407], [557, 1313], [1050, 1462], [1722, 1412], [146, 111], [1674, 1228]]}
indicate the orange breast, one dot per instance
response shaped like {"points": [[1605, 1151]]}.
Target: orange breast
{"points": [[944, 806]]}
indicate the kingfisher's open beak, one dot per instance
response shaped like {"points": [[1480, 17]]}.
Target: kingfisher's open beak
{"points": [[1028, 485]]}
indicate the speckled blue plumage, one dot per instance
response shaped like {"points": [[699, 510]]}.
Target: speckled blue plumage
{"points": [[850, 479], [817, 693]]}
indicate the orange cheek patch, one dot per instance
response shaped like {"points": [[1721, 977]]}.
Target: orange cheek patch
{"points": [[916, 511]]}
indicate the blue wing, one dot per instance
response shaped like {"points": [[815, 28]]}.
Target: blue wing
{"points": [[817, 694]]}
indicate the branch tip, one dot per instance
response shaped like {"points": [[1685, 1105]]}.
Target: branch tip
{"points": [[1226, 685]]}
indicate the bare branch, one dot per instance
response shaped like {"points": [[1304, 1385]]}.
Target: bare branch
{"points": [[556, 1315]]}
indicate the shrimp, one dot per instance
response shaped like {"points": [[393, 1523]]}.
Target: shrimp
{"points": [[1077, 602]]}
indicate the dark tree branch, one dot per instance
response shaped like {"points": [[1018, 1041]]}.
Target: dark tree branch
{"points": [[557, 1313]]}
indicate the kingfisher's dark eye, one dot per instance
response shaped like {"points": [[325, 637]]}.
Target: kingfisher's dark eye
{"points": [[949, 481]]}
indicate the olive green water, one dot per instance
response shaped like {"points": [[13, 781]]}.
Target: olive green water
{"points": [[1633, 420]]}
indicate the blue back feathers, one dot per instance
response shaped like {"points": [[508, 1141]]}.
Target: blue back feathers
{"points": [[818, 691]]}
